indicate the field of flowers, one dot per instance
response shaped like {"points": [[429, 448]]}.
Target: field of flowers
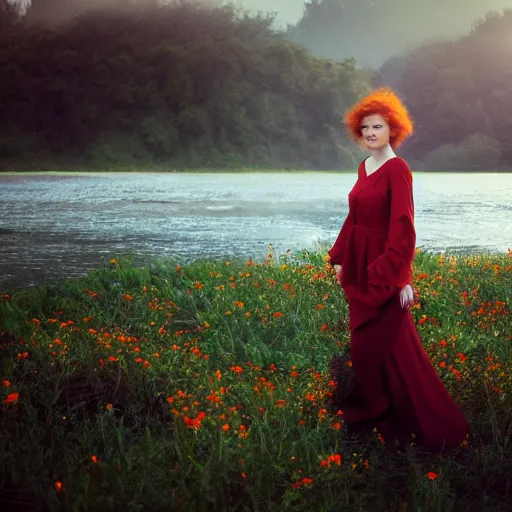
{"points": [[206, 387]]}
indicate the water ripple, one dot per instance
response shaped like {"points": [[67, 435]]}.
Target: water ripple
{"points": [[56, 226]]}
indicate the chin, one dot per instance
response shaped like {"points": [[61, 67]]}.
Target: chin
{"points": [[375, 147]]}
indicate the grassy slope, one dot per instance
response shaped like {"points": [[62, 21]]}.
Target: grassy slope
{"points": [[206, 388]]}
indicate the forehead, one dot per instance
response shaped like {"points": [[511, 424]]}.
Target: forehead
{"points": [[373, 119]]}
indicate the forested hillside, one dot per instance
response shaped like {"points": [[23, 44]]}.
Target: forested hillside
{"points": [[185, 85], [460, 95], [179, 85], [373, 31]]}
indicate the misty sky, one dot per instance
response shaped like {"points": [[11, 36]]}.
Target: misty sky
{"points": [[288, 11]]}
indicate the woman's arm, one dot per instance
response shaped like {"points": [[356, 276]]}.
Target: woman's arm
{"points": [[392, 270], [337, 251]]}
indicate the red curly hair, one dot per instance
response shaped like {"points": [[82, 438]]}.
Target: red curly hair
{"points": [[383, 102]]}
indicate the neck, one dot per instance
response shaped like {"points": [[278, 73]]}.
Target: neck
{"points": [[384, 153]]}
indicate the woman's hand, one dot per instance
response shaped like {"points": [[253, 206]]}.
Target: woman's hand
{"points": [[407, 297], [337, 269]]}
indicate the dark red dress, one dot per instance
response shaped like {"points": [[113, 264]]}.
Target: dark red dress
{"points": [[394, 377]]}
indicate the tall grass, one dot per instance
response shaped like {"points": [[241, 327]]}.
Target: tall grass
{"points": [[207, 388]]}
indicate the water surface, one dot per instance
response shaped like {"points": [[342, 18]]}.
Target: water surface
{"points": [[63, 225]]}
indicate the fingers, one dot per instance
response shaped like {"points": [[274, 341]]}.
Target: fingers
{"points": [[406, 297]]}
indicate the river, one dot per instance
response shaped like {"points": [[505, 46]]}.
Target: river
{"points": [[63, 225]]}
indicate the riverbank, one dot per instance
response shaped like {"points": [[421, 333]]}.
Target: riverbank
{"points": [[69, 166], [205, 387], [77, 170]]}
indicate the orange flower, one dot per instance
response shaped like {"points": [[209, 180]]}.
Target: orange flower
{"points": [[277, 314], [6, 383], [94, 458], [226, 427], [331, 459], [58, 486], [12, 398], [431, 475], [196, 423], [213, 398]]}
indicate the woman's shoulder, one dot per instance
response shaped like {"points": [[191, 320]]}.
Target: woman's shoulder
{"points": [[399, 167], [399, 162]]}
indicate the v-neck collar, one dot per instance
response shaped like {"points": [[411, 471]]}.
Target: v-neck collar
{"points": [[378, 168]]}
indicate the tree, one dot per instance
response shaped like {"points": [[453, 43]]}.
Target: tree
{"points": [[457, 89], [180, 83], [10, 14]]}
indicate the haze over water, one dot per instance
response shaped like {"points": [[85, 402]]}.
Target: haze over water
{"points": [[57, 226]]}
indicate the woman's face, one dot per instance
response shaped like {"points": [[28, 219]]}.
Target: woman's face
{"points": [[375, 132]]}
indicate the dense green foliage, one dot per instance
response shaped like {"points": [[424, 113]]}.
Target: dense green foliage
{"points": [[205, 387], [459, 91], [180, 84]]}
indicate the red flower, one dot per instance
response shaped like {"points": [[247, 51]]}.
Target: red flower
{"points": [[12, 398]]}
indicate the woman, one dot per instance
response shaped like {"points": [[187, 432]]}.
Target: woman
{"points": [[396, 388]]}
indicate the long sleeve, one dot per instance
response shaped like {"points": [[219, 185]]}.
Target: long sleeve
{"points": [[337, 251], [392, 270]]}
